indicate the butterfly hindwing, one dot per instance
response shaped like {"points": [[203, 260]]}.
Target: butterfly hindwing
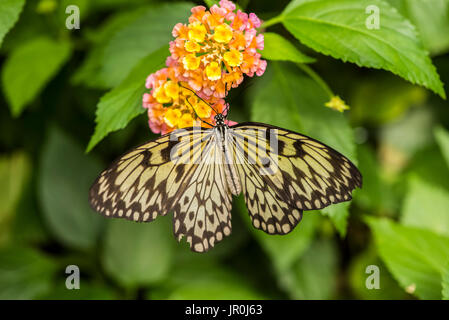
{"points": [[203, 212], [267, 211]]}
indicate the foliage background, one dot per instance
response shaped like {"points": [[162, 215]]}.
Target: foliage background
{"points": [[57, 83]]}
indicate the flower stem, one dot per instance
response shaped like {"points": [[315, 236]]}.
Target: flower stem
{"points": [[271, 22], [317, 78]]}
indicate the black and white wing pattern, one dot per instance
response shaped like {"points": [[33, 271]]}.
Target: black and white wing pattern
{"points": [[289, 172], [169, 174], [187, 172]]}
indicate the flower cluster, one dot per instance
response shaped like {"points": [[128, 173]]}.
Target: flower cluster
{"points": [[216, 48], [172, 104], [210, 55]]}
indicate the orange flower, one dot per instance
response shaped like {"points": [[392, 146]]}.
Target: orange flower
{"points": [[220, 47], [213, 71], [173, 104]]}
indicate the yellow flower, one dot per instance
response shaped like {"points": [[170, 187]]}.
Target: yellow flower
{"points": [[161, 96], [192, 46], [223, 33], [203, 110], [213, 71], [197, 32], [191, 62], [172, 117], [233, 57], [185, 121], [337, 103], [171, 89]]}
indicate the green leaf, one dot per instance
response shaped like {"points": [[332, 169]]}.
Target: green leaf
{"points": [[14, 174], [338, 29], [283, 250], [87, 291], [315, 274], [415, 257], [389, 289], [28, 69], [24, 273], [9, 14], [139, 253], [442, 137], [140, 38], [66, 175], [376, 193], [215, 290], [278, 48], [288, 98], [89, 73], [445, 284], [431, 19], [426, 206], [123, 103], [339, 214]]}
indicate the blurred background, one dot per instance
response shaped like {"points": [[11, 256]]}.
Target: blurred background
{"points": [[52, 81]]}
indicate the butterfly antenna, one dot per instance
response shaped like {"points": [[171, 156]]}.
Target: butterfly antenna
{"points": [[226, 110], [196, 114], [199, 98]]}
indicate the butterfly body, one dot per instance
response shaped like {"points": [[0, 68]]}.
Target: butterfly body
{"points": [[194, 172]]}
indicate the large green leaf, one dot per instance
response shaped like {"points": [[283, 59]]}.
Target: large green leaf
{"points": [[377, 193], [139, 253], [123, 103], [28, 69], [140, 38], [415, 257], [215, 290], [89, 72], [288, 98], [284, 250], [9, 14], [442, 137], [14, 174], [278, 48], [87, 291], [426, 206], [24, 273], [66, 174], [338, 29], [431, 19], [359, 272], [314, 276], [445, 283]]}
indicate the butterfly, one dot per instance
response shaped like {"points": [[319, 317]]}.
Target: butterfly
{"points": [[194, 172]]}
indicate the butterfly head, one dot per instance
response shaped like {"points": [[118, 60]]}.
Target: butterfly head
{"points": [[219, 119]]}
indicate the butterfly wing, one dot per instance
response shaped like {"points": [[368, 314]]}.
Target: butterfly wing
{"points": [[299, 171], [171, 173], [203, 212], [267, 211]]}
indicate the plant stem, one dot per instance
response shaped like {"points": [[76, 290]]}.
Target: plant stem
{"points": [[317, 78], [271, 22]]}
